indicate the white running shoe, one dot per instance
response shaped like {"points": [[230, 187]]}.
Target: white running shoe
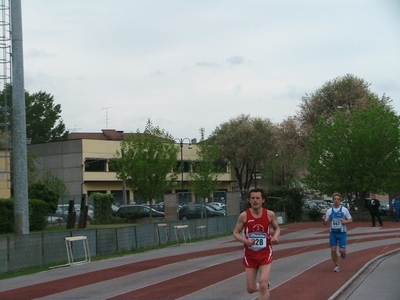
{"points": [[336, 269]]}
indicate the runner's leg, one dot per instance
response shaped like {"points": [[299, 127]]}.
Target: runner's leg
{"points": [[265, 272], [251, 280], [334, 255]]}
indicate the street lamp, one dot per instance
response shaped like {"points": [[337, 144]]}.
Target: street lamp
{"points": [[181, 142]]}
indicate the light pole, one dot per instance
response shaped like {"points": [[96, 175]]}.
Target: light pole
{"points": [[181, 142]]}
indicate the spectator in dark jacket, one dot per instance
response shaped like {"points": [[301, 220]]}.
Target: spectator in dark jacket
{"points": [[396, 208], [374, 210]]}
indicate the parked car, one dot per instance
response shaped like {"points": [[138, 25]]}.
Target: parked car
{"points": [[350, 204], [217, 207], [329, 201], [158, 206], [62, 210], [55, 219], [196, 211], [308, 205], [144, 211], [114, 209], [219, 204], [384, 208]]}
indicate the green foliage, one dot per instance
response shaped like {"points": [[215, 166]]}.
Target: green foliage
{"points": [[355, 152], [286, 166], [39, 190], [346, 91], [33, 173], [314, 213], [43, 120], [133, 215], [146, 162], [244, 142], [204, 178], [288, 200], [102, 207], [38, 209], [44, 123], [55, 184], [6, 215]]}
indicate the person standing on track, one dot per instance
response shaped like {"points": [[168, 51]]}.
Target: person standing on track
{"points": [[374, 210], [396, 208], [338, 216], [253, 230]]}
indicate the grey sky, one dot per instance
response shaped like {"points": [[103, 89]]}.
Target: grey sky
{"points": [[192, 64]]}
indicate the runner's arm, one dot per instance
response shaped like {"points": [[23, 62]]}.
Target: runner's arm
{"points": [[275, 226], [325, 217], [237, 233], [348, 218]]}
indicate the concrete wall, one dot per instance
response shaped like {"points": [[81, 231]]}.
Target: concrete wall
{"points": [[62, 159]]}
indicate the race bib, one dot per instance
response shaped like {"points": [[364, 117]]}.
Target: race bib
{"points": [[336, 224], [260, 240]]}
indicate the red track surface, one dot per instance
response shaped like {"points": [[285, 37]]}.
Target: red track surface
{"points": [[300, 287]]}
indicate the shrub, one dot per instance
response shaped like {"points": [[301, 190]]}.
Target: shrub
{"points": [[37, 214], [6, 215], [38, 210], [132, 216], [288, 200], [102, 207], [314, 213], [38, 190]]}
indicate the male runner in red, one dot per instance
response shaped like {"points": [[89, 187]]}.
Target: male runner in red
{"points": [[255, 223]]}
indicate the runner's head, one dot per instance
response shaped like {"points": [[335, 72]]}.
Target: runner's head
{"points": [[337, 199], [257, 197]]}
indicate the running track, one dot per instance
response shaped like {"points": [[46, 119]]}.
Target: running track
{"points": [[212, 269]]}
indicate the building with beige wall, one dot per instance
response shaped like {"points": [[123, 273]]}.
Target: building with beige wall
{"points": [[5, 174], [82, 163]]}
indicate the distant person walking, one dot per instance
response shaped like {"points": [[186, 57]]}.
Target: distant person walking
{"points": [[338, 216], [396, 208], [257, 239], [374, 210]]}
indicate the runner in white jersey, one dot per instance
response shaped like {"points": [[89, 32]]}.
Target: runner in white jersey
{"points": [[338, 216]]}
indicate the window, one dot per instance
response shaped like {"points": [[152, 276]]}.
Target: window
{"points": [[95, 165], [186, 166], [221, 166]]}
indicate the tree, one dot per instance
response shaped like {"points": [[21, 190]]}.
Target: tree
{"points": [[55, 184], [285, 168], [33, 172], [204, 178], [244, 142], [43, 119], [346, 91], [146, 161], [38, 190], [355, 152]]}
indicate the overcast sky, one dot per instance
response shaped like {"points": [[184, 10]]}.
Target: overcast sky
{"points": [[190, 64]]}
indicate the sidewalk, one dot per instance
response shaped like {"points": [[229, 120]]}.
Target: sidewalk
{"points": [[377, 278]]}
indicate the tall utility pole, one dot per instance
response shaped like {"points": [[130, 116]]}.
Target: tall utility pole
{"points": [[19, 153]]}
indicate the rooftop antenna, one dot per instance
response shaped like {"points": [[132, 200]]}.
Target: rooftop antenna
{"points": [[75, 128], [106, 109]]}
